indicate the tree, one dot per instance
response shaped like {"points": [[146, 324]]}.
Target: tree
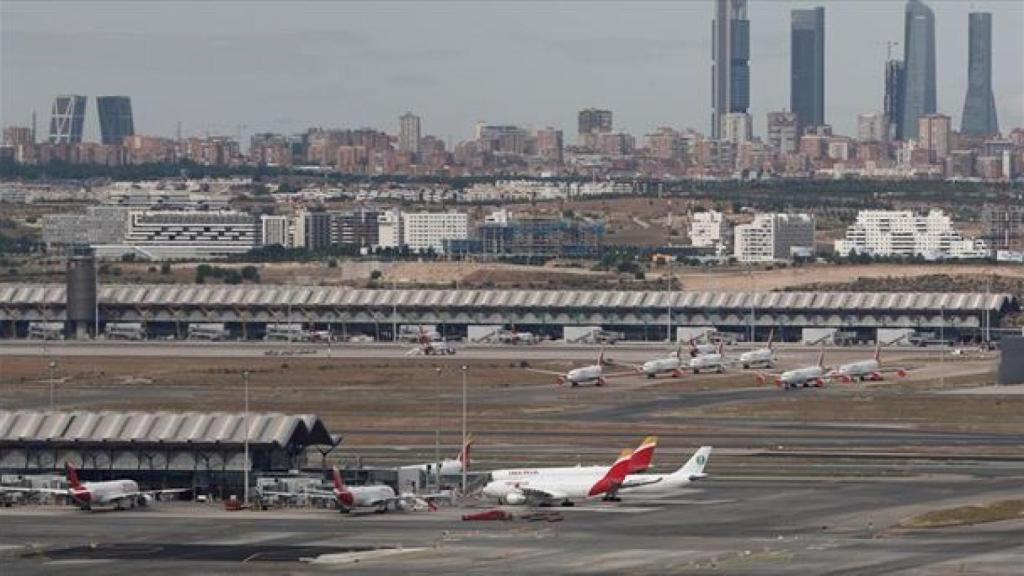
{"points": [[251, 274], [165, 268]]}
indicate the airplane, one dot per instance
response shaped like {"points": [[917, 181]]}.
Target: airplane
{"points": [[428, 345], [715, 361], [639, 461], [592, 373], [865, 369], [449, 466], [379, 497], [815, 375], [760, 357], [115, 493], [673, 364], [548, 489], [665, 484]]}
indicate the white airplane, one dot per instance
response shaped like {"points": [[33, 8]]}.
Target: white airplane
{"points": [[118, 494], [763, 357], [378, 498], [673, 364], [666, 484], [449, 466], [715, 361], [865, 369], [639, 461], [428, 345], [593, 373], [816, 375], [548, 489]]}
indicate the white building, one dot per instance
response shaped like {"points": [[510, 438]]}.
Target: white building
{"points": [[298, 230], [738, 127], [422, 231], [905, 233], [275, 230], [772, 237], [709, 229], [872, 127], [389, 229], [170, 235]]}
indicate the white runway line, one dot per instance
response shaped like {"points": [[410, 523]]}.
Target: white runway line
{"points": [[252, 538]]}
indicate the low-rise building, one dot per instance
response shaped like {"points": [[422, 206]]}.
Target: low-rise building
{"points": [[772, 237], [422, 231], [906, 233], [709, 229]]}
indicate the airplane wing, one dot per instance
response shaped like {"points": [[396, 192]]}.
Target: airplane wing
{"points": [[619, 374], [549, 372], [543, 493], [635, 482], [317, 494]]}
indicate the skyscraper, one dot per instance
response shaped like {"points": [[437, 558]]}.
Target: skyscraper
{"points": [[919, 60], [979, 117], [807, 66], [730, 62], [67, 119], [115, 113], [893, 105], [592, 122], [409, 133]]}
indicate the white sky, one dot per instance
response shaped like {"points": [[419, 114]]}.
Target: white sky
{"points": [[284, 66]]}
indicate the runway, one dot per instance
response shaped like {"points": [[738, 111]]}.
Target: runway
{"points": [[720, 526]]}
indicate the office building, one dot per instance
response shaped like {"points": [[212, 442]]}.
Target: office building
{"points": [[872, 127], [98, 225], [737, 127], [275, 230], [590, 123], [502, 235], [1004, 227], [919, 95], [17, 135], [549, 145], [298, 229], [389, 229], [115, 114], [502, 139], [730, 68], [359, 227], [934, 135], [319, 232], [783, 132], [905, 233], [773, 237], [892, 106], [807, 66], [409, 133], [423, 231], [979, 117], [67, 118], [709, 229]]}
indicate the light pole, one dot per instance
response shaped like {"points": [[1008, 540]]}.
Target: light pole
{"points": [[464, 369], [245, 460], [53, 369], [437, 426]]}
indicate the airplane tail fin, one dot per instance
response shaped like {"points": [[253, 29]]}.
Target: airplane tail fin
{"points": [[339, 484], [615, 475], [464, 454], [721, 347], [600, 358], [641, 458], [693, 348], [821, 358], [694, 467], [878, 350], [771, 337], [72, 475]]}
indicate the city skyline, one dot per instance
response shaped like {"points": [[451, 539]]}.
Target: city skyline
{"points": [[30, 80]]}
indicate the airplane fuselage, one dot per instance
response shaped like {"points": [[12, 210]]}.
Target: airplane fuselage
{"points": [[760, 357], [708, 362], [858, 370], [585, 374], [105, 493], [809, 376], [654, 367]]}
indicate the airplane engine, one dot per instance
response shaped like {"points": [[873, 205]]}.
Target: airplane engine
{"points": [[515, 499], [146, 499]]}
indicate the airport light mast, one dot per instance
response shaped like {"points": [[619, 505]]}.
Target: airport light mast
{"points": [[437, 427], [245, 460], [464, 369]]}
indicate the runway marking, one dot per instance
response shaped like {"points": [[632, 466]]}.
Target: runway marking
{"points": [[251, 538], [611, 510]]}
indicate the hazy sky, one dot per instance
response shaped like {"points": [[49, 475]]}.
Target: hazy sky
{"points": [[284, 66]]}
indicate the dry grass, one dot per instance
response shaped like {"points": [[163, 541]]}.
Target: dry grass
{"points": [[967, 515]]}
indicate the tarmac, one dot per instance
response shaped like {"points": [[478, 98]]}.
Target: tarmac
{"points": [[821, 526]]}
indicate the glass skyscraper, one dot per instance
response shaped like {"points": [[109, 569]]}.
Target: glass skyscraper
{"points": [[730, 56], [919, 66], [807, 66], [979, 117], [67, 119], [116, 122]]}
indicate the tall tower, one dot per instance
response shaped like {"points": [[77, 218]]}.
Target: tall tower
{"points": [[807, 66], [409, 133], [730, 62], [67, 118], [919, 62], [979, 117], [115, 113]]}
